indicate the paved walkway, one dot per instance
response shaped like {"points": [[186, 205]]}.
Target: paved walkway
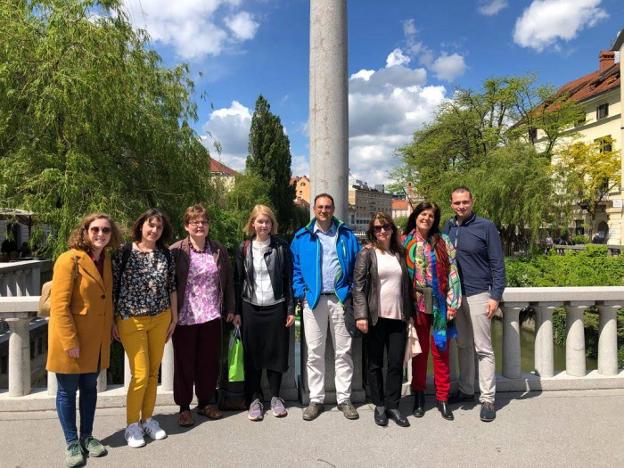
{"points": [[573, 428]]}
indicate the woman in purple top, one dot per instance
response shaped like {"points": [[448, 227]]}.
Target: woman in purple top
{"points": [[205, 296]]}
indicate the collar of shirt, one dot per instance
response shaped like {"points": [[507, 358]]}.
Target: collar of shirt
{"points": [[330, 232]]}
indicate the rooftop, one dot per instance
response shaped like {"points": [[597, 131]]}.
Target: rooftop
{"points": [[217, 167]]}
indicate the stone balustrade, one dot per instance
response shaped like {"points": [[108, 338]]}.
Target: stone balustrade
{"points": [[18, 311], [22, 278]]}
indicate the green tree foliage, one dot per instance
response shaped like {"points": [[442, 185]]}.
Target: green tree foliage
{"points": [[269, 158], [90, 119], [232, 213], [588, 172], [486, 140]]}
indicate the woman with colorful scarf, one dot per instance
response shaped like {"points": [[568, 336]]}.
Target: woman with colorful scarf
{"points": [[433, 270]]}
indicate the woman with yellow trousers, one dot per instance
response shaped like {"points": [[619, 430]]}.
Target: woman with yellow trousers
{"points": [[145, 317], [79, 334]]}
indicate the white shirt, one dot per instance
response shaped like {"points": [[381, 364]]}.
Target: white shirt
{"points": [[263, 289]]}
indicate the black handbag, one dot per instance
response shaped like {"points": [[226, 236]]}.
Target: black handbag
{"points": [[349, 319]]}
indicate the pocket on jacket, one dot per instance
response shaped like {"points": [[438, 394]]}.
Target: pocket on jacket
{"points": [[81, 311]]}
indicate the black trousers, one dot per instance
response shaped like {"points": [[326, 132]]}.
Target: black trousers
{"points": [[253, 378], [389, 335]]}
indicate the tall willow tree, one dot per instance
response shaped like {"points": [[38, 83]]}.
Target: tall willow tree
{"points": [[90, 119]]}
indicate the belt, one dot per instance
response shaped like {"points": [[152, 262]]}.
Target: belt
{"points": [[328, 294]]}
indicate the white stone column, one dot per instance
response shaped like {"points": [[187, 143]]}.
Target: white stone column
{"points": [[575, 339], [127, 371], [102, 381], [52, 383], [511, 338], [607, 341], [329, 107], [166, 376], [544, 344], [19, 357]]}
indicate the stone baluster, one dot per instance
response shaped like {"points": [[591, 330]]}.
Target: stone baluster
{"points": [[607, 341], [575, 338], [19, 357], [52, 383], [127, 371], [102, 381], [511, 338], [34, 285], [18, 281], [544, 344], [166, 375]]}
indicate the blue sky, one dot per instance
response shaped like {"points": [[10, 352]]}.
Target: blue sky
{"points": [[405, 58]]}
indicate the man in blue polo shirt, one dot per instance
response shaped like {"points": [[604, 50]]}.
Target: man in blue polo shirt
{"points": [[324, 254], [482, 272]]}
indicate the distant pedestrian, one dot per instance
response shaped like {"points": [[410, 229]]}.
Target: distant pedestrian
{"points": [[145, 317], [323, 258], [265, 303], [205, 295], [433, 268], [482, 273], [382, 307], [79, 335]]}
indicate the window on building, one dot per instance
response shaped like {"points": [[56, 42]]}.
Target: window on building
{"points": [[602, 111], [579, 230]]}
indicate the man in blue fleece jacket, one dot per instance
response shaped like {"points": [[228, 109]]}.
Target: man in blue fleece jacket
{"points": [[324, 254], [482, 272]]}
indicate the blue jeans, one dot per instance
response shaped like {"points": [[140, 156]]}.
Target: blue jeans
{"points": [[68, 385]]}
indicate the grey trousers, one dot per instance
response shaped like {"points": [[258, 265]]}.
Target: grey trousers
{"points": [[474, 334]]}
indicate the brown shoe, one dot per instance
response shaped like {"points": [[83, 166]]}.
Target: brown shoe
{"points": [[210, 411], [185, 419]]}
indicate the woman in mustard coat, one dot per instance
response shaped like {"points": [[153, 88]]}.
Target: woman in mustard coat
{"points": [[79, 333]]}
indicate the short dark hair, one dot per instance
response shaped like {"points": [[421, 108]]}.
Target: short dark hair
{"points": [[461, 188], [395, 245], [165, 238], [411, 221], [324, 195]]}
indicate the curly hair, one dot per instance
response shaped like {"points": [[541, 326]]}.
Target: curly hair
{"points": [[167, 231], [196, 211], [395, 244], [79, 238]]}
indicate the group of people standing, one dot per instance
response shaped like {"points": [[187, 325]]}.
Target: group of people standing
{"points": [[442, 285]]}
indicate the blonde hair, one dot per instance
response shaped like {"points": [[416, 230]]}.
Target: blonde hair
{"points": [[255, 212]]}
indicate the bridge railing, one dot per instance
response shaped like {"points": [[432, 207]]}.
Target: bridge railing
{"points": [[19, 311]]}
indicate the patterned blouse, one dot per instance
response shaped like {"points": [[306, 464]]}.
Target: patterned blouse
{"points": [[419, 252], [202, 298], [146, 284]]}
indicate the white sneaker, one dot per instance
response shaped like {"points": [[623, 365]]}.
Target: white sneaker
{"points": [[134, 435], [152, 429]]}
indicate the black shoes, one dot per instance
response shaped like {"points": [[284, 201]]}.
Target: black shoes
{"points": [[488, 412], [380, 416], [419, 404], [445, 410], [397, 417], [460, 397]]}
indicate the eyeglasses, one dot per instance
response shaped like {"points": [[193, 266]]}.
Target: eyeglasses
{"points": [[199, 223], [97, 230], [385, 227]]}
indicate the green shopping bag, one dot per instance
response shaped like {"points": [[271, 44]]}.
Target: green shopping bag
{"points": [[236, 363]]}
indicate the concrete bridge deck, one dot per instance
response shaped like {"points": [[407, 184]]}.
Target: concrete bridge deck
{"points": [[556, 428]]}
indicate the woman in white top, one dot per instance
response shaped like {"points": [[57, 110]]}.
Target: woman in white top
{"points": [[265, 302], [382, 306]]}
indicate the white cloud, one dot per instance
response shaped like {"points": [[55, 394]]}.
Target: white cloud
{"points": [[492, 7], [300, 165], [448, 67], [193, 27], [229, 127], [242, 25], [397, 57], [385, 108], [546, 22]]}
